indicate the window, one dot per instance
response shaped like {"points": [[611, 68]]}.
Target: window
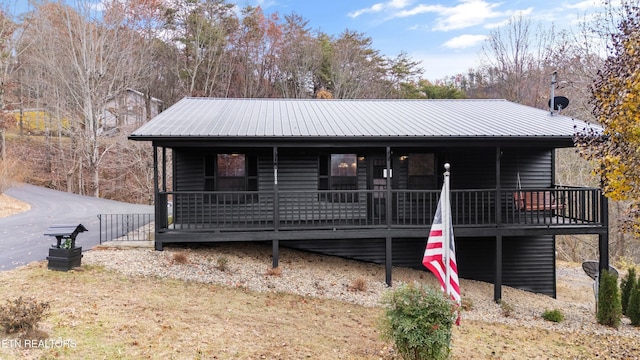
{"points": [[339, 172], [230, 172], [421, 171], [344, 172]]}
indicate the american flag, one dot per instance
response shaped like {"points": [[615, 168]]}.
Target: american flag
{"points": [[434, 254]]}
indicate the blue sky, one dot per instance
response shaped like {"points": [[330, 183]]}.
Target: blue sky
{"points": [[445, 35]]}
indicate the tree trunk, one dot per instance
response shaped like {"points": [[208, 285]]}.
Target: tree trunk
{"points": [[3, 152]]}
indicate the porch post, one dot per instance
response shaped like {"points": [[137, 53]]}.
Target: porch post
{"points": [[389, 194], [164, 169], [388, 256], [388, 260], [497, 282], [155, 176], [603, 238], [157, 210], [498, 202], [276, 205], [275, 246], [275, 249]]}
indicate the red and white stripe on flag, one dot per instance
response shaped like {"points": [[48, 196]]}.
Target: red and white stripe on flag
{"points": [[434, 255]]}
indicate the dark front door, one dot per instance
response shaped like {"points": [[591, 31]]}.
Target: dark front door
{"points": [[378, 183]]}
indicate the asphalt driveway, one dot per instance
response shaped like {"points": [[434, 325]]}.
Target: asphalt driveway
{"points": [[21, 236]]}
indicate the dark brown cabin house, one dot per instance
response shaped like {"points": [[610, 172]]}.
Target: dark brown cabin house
{"points": [[361, 179]]}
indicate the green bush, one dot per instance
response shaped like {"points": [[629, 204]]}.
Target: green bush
{"points": [[418, 319], [633, 308], [626, 286], [554, 315], [609, 305], [21, 315]]}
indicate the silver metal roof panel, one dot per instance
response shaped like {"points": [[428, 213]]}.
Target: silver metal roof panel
{"points": [[294, 118]]}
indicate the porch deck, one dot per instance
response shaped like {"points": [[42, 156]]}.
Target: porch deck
{"points": [[229, 216]]}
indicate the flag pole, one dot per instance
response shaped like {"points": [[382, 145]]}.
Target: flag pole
{"points": [[446, 228]]}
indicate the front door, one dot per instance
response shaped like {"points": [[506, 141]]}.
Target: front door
{"points": [[378, 183]]}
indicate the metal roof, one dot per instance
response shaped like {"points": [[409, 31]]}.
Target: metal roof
{"points": [[301, 119]]}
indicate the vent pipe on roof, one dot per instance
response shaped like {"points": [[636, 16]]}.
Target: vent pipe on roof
{"points": [[553, 89], [556, 103]]}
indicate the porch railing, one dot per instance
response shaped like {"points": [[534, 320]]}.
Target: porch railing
{"points": [[126, 227], [352, 209]]}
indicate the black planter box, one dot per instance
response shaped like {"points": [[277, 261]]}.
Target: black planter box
{"points": [[64, 259]]}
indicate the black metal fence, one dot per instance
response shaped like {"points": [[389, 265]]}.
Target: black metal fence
{"points": [[126, 227]]}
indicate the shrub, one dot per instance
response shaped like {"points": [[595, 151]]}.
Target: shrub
{"points": [[554, 315], [418, 319], [507, 309], [222, 263], [626, 286], [274, 271], [633, 308], [609, 305], [358, 284], [179, 258], [466, 304], [22, 315]]}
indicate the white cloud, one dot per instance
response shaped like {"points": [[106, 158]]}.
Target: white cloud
{"points": [[584, 5], [378, 7], [420, 9], [464, 41], [466, 13], [514, 14]]}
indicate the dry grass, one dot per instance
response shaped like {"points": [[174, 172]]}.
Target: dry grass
{"points": [[106, 314], [273, 271], [102, 314], [179, 258], [359, 284], [10, 206], [11, 172]]}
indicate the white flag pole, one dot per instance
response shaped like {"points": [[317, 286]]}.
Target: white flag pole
{"points": [[446, 229]]}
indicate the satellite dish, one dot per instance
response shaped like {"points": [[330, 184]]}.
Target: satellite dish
{"points": [[559, 102], [590, 267]]}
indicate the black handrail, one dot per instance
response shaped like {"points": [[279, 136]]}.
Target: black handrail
{"points": [[333, 209]]}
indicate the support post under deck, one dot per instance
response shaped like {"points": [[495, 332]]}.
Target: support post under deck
{"points": [[388, 260], [497, 282]]}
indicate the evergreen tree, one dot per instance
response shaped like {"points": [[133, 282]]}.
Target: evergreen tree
{"points": [[633, 308], [609, 305], [626, 286]]}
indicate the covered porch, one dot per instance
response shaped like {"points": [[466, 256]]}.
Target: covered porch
{"points": [[482, 211]]}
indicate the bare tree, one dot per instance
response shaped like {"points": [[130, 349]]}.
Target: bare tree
{"points": [[87, 58], [10, 38], [517, 62]]}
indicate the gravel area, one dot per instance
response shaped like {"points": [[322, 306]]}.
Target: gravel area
{"points": [[249, 266]]}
